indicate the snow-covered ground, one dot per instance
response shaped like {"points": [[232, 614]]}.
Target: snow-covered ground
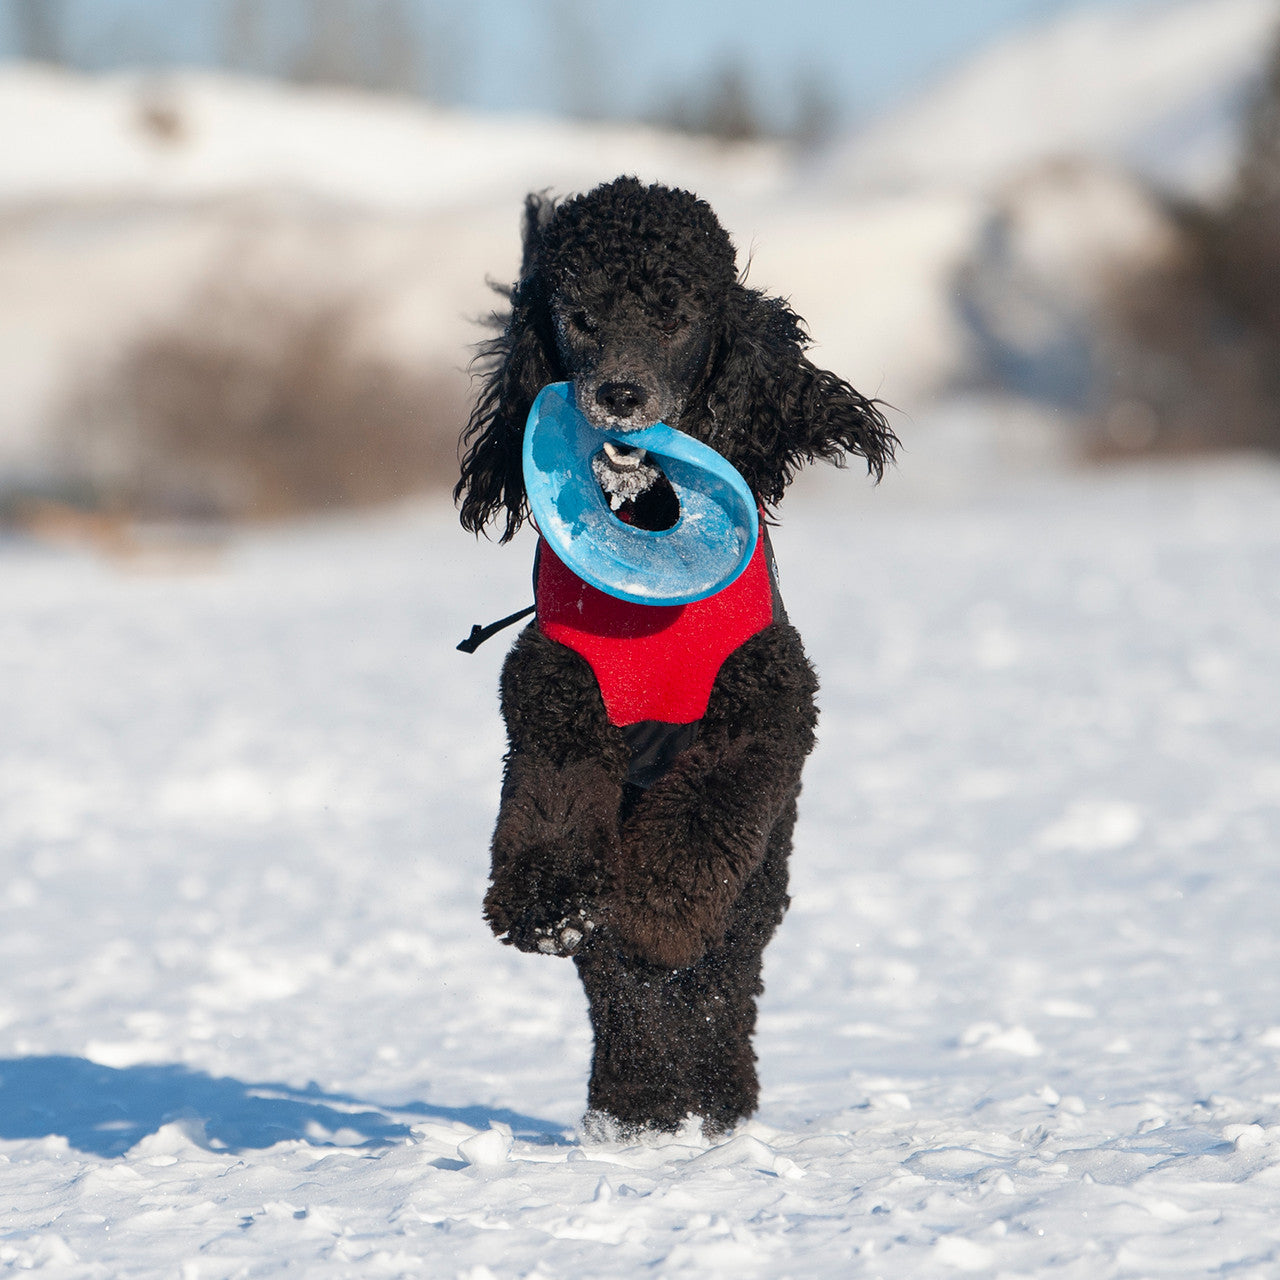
{"points": [[1023, 1017]]}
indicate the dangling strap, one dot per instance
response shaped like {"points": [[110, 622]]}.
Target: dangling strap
{"points": [[480, 634]]}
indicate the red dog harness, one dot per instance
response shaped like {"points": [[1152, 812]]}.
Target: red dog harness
{"points": [[653, 662]]}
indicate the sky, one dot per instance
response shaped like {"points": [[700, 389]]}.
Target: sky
{"points": [[613, 58]]}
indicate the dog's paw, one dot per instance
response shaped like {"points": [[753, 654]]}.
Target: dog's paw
{"points": [[561, 935], [567, 935]]}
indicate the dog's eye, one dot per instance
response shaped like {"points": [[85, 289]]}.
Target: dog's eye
{"points": [[670, 324], [581, 321]]}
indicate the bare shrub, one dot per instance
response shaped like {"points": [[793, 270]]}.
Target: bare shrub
{"points": [[1196, 352], [160, 115], [253, 407], [39, 28], [721, 107], [1187, 373], [1242, 244], [726, 106], [371, 44]]}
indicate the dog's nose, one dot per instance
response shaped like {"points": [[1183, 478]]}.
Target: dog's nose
{"points": [[621, 399]]}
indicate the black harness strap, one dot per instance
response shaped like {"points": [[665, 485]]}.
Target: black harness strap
{"points": [[480, 634]]}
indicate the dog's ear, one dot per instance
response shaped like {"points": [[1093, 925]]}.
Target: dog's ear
{"points": [[513, 368], [539, 209], [784, 410]]}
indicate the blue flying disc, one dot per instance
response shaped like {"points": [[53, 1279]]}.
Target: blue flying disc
{"points": [[702, 553]]}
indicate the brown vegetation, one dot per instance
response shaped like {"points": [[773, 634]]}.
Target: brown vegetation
{"points": [[1196, 359], [250, 406]]}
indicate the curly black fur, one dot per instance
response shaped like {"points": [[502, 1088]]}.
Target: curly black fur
{"points": [[665, 897]]}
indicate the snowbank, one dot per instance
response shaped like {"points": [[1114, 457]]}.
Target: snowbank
{"points": [[115, 226], [123, 197], [1156, 86], [191, 136]]}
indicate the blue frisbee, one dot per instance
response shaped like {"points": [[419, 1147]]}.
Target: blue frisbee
{"points": [[702, 553]]}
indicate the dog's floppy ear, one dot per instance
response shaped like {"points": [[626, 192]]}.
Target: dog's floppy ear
{"points": [[789, 411], [513, 368], [539, 209]]}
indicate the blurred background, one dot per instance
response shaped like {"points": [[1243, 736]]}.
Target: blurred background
{"points": [[244, 244]]}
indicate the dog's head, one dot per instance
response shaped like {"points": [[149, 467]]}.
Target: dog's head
{"points": [[634, 282], [631, 293]]}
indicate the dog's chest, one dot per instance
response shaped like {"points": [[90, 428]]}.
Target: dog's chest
{"points": [[654, 662]]}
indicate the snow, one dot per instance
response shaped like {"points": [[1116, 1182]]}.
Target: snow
{"points": [[1021, 1018], [1156, 85], [123, 197], [110, 230], [86, 138]]}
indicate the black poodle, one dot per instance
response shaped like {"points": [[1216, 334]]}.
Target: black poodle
{"points": [[652, 848]]}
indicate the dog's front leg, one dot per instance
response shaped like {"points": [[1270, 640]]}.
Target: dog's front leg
{"points": [[700, 832], [557, 828]]}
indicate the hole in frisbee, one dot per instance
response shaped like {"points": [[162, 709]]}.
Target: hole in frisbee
{"points": [[635, 488]]}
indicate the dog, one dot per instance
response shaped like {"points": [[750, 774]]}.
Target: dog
{"points": [[641, 831]]}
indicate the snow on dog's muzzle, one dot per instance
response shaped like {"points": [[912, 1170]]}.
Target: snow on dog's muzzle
{"points": [[706, 548]]}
